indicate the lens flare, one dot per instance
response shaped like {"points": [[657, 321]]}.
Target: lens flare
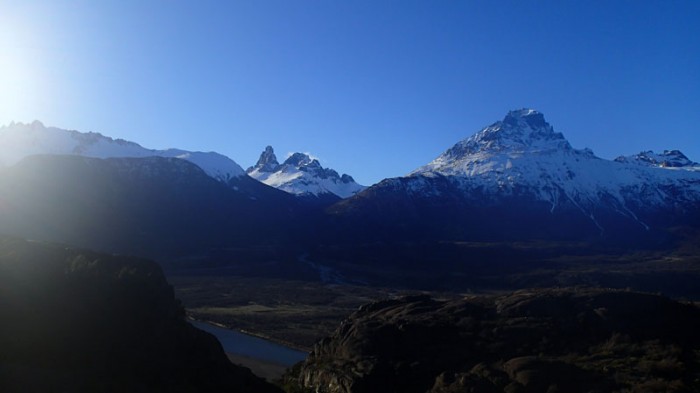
{"points": [[21, 81]]}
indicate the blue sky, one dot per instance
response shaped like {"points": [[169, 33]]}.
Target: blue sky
{"points": [[373, 88]]}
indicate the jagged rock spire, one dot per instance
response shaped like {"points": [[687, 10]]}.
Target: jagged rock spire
{"points": [[267, 161]]}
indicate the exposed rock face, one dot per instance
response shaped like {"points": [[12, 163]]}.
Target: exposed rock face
{"points": [[77, 321], [530, 341], [667, 159], [267, 161], [302, 175]]}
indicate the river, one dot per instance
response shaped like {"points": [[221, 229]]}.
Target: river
{"points": [[254, 347]]}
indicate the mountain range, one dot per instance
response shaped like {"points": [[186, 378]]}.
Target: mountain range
{"points": [[672, 159], [298, 175], [513, 206], [302, 175], [154, 207], [516, 180], [19, 140]]}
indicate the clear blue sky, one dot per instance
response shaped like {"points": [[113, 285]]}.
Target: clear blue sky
{"points": [[373, 88]]}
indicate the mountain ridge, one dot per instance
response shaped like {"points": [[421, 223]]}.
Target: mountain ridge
{"points": [[516, 167], [302, 175], [21, 140], [669, 159], [154, 207], [523, 147], [517, 175]]}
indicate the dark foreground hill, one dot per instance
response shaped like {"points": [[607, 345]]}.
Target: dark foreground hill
{"points": [[557, 340], [75, 321]]}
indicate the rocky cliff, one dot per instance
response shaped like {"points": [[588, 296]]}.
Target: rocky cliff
{"points": [[77, 321], [557, 340]]}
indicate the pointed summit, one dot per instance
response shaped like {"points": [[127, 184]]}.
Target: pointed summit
{"points": [[267, 161], [520, 176], [301, 174], [37, 125], [522, 131], [531, 117], [299, 160]]}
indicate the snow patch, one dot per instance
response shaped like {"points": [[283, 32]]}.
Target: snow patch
{"points": [[20, 140]]}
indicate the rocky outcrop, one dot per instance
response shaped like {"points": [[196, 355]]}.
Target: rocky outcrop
{"points": [[303, 176], [557, 340], [666, 159], [77, 321]]}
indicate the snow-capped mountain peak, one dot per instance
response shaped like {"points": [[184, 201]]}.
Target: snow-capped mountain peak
{"points": [[300, 174], [671, 159], [302, 160], [523, 155], [521, 130], [19, 140]]}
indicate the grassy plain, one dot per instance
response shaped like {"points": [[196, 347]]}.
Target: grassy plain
{"points": [[296, 313], [287, 300]]}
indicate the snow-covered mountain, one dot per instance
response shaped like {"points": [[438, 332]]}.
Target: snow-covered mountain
{"points": [[671, 159], [527, 176], [19, 140], [302, 175], [524, 152]]}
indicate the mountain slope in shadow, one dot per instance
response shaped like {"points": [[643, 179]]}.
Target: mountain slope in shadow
{"points": [[78, 321], [549, 340]]}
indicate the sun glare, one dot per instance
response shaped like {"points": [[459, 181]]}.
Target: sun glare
{"points": [[20, 77], [14, 79]]}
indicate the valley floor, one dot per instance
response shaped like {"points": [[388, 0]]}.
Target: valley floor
{"points": [[287, 300], [293, 313], [300, 311]]}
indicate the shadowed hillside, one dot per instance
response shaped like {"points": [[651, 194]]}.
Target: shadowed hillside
{"points": [[556, 340], [77, 321], [152, 207]]}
